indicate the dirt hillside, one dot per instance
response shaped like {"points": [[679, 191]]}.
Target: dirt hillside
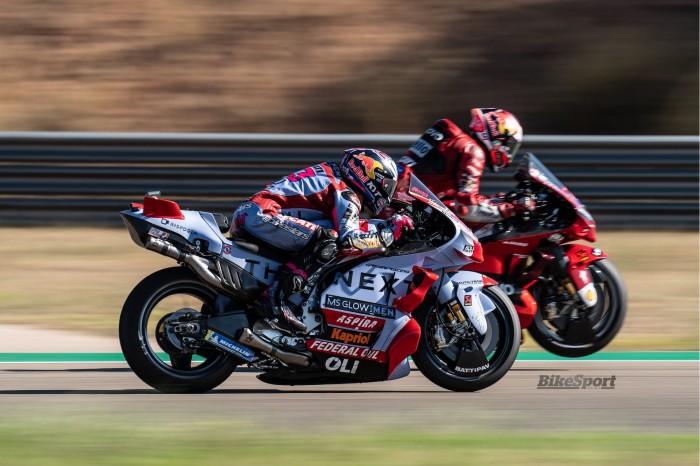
{"points": [[563, 66]]}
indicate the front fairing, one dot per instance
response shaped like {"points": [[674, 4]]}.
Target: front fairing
{"points": [[462, 243], [533, 170]]}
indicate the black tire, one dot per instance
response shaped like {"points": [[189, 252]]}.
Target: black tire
{"points": [[139, 348], [608, 315], [503, 336]]}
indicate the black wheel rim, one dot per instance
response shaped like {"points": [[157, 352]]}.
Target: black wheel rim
{"points": [[174, 363], [496, 343], [601, 317]]}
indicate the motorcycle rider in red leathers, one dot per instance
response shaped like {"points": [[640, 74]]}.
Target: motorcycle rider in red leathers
{"points": [[450, 162], [290, 215]]}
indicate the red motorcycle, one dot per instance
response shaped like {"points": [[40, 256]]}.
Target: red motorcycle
{"points": [[569, 296]]}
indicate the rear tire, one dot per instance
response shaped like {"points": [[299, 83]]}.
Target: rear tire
{"points": [[609, 315], [501, 342], [140, 347]]}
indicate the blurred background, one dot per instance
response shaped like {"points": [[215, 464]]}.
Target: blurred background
{"points": [[562, 66], [565, 67]]}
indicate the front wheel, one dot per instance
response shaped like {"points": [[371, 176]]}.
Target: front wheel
{"points": [[593, 328], [497, 348], [153, 351]]}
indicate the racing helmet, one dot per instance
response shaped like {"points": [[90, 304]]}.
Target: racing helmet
{"points": [[500, 132], [373, 174]]}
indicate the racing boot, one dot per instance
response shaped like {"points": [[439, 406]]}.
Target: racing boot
{"points": [[292, 278], [278, 313]]}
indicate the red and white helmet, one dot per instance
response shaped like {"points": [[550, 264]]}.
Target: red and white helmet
{"points": [[500, 132]]}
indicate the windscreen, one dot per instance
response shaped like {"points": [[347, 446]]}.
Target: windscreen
{"points": [[533, 168], [418, 190]]}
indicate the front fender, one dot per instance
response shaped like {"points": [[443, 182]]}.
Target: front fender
{"points": [[579, 257], [461, 291]]}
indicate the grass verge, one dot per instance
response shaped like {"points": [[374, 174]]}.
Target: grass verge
{"points": [[78, 441]]}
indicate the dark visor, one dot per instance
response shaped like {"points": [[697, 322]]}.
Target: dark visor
{"points": [[389, 186]]}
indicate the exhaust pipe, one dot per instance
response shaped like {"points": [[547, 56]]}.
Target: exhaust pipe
{"points": [[248, 338], [200, 265]]}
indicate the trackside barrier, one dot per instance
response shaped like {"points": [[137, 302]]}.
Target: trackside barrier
{"points": [[648, 182]]}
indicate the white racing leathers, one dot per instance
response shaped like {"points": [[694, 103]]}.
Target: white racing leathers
{"points": [[288, 212]]}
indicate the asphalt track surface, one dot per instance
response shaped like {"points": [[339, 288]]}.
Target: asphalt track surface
{"points": [[649, 396]]}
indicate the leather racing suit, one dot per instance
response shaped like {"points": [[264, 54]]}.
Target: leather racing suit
{"points": [[288, 213], [451, 164]]}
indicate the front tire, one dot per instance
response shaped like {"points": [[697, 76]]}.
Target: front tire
{"points": [[164, 366], [606, 317], [500, 343]]}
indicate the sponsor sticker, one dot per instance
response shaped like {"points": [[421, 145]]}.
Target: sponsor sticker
{"points": [[420, 148], [156, 233], [229, 346], [361, 307], [349, 351], [345, 366], [171, 224], [350, 337], [353, 321]]}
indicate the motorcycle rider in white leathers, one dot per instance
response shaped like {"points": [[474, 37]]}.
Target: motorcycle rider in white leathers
{"points": [[285, 216]]}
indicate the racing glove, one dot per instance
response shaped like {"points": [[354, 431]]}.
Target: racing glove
{"points": [[524, 207], [395, 227]]}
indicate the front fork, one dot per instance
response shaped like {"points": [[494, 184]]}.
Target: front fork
{"points": [[569, 264]]}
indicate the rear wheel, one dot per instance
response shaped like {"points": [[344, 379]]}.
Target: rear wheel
{"points": [[497, 348], [592, 328], [166, 299]]}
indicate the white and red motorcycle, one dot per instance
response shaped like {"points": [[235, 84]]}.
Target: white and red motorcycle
{"points": [[187, 328]]}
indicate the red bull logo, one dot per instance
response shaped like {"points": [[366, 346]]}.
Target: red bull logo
{"points": [[369, 165], [502, 123]]}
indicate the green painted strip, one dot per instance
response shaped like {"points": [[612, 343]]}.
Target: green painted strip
{"points": [[616, 356], [523, 356], [61, 357], [71, 357]]}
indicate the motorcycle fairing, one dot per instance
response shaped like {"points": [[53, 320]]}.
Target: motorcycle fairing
{"points": [[362, 298], [584, 226], [194, 226], [201, 230], [421, 283]]}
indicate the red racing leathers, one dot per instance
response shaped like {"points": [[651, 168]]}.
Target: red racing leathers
{"points": [[451, 163]]}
